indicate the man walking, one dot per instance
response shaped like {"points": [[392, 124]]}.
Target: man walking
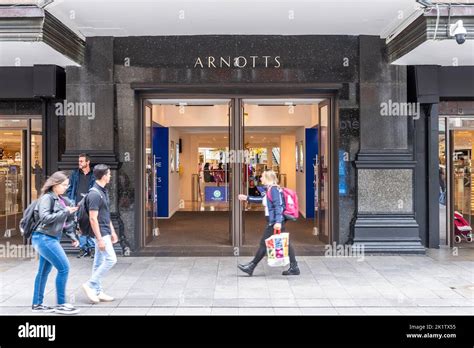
{"points": [[81, 180], [98, 204]]}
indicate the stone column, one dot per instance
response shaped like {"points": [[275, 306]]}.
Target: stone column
{"points": [[385, 215], [89, 106]]}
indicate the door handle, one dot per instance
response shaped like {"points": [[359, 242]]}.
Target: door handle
{"points": [[153, 178]]}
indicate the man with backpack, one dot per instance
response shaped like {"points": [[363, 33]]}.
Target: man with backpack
{"points": [[280, 205], [97, 207], [80, 181]]}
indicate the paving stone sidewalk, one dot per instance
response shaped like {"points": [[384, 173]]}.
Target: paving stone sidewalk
{"points": [[436, 283]]}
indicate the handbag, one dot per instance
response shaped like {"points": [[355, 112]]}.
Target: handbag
{"points": [[277, 249]]}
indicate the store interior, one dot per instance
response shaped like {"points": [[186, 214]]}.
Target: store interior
{"points": [[11, 184], [193, 192], [19, 157], [456, 185]]}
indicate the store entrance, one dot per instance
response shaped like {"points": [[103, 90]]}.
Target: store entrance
{"points": [[187, 177], [21, 172], [288, 136], [456, 199], [200, 154]]}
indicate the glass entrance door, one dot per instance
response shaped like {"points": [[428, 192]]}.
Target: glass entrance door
{"points": [[199, 154], [456, 189], [288, 136], [21, 172], [187, 180], [151, 160], [444, 180], [461, 193], [322, 179]]}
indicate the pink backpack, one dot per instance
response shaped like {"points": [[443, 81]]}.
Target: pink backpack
{"points": [[291, 209]]}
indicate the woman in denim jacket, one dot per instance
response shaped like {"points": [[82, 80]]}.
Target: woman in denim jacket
{"points": [[275, 221], [55, 217]]}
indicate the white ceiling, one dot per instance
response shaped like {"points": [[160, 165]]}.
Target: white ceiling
{"points": [[189, 102], [294, 101], [208, 136], [225, 130], [247, 17], [13, 53], [209, 102], [10, 140], [442, 52]]}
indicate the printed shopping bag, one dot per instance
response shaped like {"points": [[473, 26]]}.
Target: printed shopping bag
{"points": [[277, 249]]}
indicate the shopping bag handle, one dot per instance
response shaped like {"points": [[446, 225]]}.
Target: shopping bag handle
{"points": [[275, 231]]}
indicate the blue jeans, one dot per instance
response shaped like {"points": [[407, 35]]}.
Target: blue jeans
{"points": [[85, 242], [103, 262], [51, 254]]}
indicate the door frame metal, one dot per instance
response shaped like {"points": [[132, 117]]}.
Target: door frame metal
{"points": [[447, 150], [329, 92], [326, 239], [146, 238], [236, 144]]}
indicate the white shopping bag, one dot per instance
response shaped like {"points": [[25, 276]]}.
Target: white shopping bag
{"points": [[277, 249]]}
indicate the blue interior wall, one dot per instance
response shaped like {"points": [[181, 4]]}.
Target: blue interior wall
{"points": [[311, 140], [161, 153]]}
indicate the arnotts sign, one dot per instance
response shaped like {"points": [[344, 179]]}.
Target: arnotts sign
{"points": [[238, 62]]}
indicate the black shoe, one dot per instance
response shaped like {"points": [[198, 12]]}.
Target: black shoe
{"points": [[247, 268], [39, 308], [66, 308], [82, 253], [91, 253], [293, 270]]}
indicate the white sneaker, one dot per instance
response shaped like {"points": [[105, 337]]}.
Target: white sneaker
{"points": [[104, 297], [66, 308], [90, 293]]}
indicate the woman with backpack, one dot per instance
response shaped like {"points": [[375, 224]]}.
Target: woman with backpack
{"points": [[54, 217], [274, 206]]}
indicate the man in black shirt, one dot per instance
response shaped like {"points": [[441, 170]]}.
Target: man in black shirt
{"points": [[98, 203]]}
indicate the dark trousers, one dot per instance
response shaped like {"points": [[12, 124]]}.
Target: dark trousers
{"points": [[262, 249]]}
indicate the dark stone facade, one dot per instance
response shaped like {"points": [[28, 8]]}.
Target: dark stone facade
{"points": [[116, 66]]}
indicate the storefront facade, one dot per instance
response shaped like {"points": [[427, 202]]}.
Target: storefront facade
{"points": [[30, 139], [444, 152], [364, 176], [368, 152]]}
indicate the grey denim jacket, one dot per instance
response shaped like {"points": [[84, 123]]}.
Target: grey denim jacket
{"points": [[54, 217]]}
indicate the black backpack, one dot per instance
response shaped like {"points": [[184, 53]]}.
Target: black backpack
{"points": [[28, 222], [83, 215]]}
